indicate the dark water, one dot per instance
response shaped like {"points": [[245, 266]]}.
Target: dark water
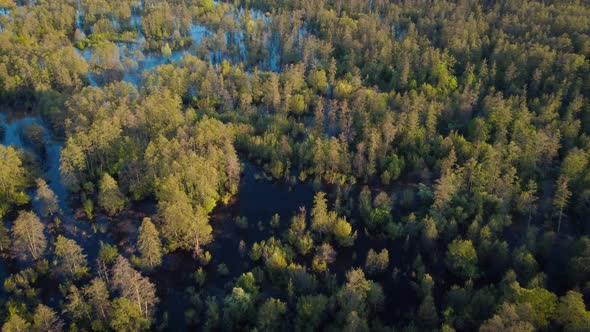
{"points": [[257, 200]]}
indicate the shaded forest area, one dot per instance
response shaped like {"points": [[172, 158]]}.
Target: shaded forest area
{"points": [[294, 165]]}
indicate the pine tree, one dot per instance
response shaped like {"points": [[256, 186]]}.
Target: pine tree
{"points": [[110, 197], [561, 199], [320, 221], [149, 244]]}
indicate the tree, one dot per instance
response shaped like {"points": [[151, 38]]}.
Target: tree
{"points": [[72, 262], [237, 308], [376, 263], [7, 3], [127, 317], [166, 50], [212, 315], [269, 315], [107, 256], [527, 201], [311, 311], [355, 323], [110, 197], [76, 306], [561, 199], [321, 221], [325, 255], [297, 235], [507, 319], [134, 287], [45, 319], [13, 180], [184, 226], [149, 244], [4, 237], [462, 259], [343, 232], [427, 315], [99, 304], [447, 185], [571, 312], [28, 239], [16, 323], [542, 304], [72, 163], [429, 233], [247, 282], [353, 295], [46, 199]]}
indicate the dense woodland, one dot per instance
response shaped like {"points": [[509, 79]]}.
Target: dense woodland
{"points": [[447, 144]]}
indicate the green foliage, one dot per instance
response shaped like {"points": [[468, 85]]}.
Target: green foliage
{"points": [[343, 233], [222, 270], [542, 302], [46, 198], [45, 319], [4, 238], [571, 312], [127, 316], [311, 311], [15, 323], [507, 318], [377, 262], [270, 315], [462, 259], [455, 133], [166, 50], [28, 238], [248, 283], [237, 308], [13, 180], [321, 221], [110, 197], [275, 221], [107, 253], [71, 261], [88, 208], [149, 245], [200, 277]]}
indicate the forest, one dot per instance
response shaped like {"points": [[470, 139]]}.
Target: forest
{"points": [[294, 165]]}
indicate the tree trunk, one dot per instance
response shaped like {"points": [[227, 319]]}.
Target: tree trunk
{"points": [[559, 220]]}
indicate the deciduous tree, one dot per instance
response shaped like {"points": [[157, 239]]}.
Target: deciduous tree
{"points": [[72, 261], [28, 238]]}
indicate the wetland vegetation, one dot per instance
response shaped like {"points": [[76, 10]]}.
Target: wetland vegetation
{"points": [[294, 165]]}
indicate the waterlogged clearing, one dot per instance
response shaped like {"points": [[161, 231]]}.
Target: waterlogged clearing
{"points": [[131, 58]]}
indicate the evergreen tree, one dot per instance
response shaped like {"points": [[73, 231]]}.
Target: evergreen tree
{"points": [[149, 244]]}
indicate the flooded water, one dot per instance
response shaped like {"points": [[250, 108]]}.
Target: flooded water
{"points": [[15, 125], [136, 59]]}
